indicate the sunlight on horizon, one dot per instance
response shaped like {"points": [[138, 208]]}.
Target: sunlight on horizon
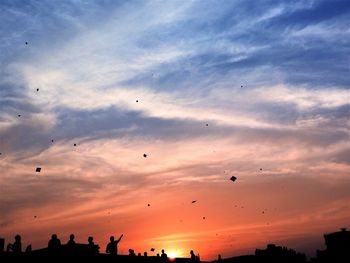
{"points": [[172, 255]]}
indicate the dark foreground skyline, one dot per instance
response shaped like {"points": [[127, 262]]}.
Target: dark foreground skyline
{"points": [[337, 250]]}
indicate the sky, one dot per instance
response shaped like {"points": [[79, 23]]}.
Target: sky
{"points": [[207, 90]]}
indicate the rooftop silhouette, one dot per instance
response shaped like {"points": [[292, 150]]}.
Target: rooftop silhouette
{"points": [[337, 251]]}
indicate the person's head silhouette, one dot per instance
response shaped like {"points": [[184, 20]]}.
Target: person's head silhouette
{"points": [[28, 248], [71, 237], [18, 238], [54, 237], [111, 238], [90, 239]]}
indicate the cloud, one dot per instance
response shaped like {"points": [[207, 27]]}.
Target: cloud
{"points": [[270, 80]]}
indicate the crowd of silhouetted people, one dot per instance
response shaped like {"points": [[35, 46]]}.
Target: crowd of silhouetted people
{"points": [[337, 251], [54, 246], [71, 248]]}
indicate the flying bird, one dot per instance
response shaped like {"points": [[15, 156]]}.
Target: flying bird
{"points": [[38, 169]]}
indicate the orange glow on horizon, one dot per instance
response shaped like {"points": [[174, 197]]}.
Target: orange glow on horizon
{"points": [[172, 255]]}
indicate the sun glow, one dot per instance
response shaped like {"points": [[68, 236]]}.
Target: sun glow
{"points": [[172, 255]]}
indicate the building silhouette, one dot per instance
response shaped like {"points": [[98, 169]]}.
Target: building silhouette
{"points": [[277, 254], [337, 248]]}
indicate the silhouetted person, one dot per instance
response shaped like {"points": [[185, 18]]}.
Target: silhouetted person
{"points": [[132, 252], [54, 245], [71, 241], [28, 249], [193, 256], [92, 248], [71, 245], [145, 254], [112, 247], [219, 258], [164, 256], [15, 247]]}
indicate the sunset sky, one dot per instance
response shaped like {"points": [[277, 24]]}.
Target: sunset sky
{"points": [[258, 90]]}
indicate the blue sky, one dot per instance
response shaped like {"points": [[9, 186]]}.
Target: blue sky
{"points": [[270, 78]]}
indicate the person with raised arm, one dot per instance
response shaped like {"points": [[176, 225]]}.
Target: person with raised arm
{"points": [[112, 247]]}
